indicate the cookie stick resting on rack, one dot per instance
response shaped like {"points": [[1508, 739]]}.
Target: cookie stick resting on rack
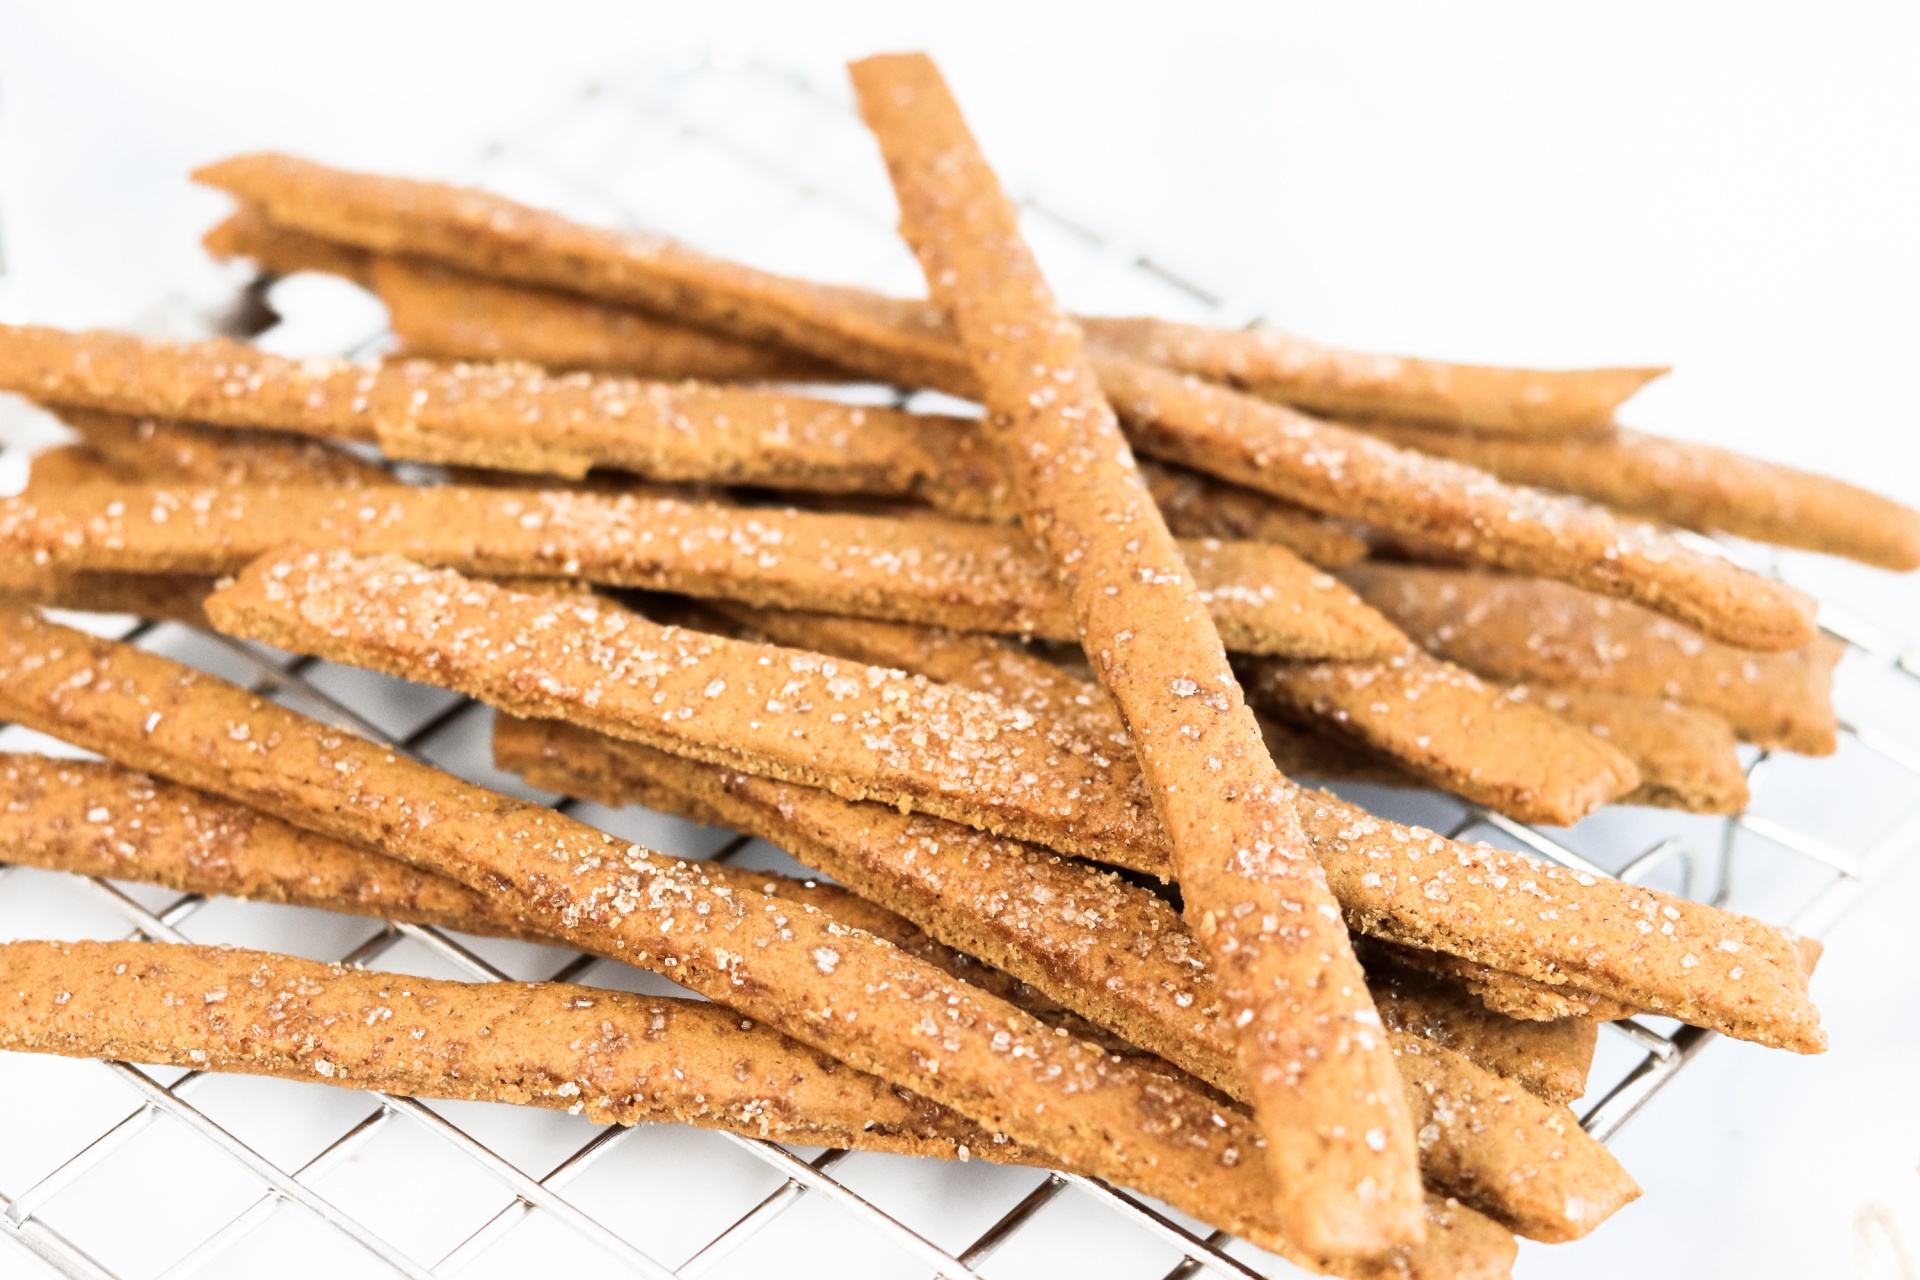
{"points": [[1312, 1056], [914, 1025], [583, 662], [1206, 426]]}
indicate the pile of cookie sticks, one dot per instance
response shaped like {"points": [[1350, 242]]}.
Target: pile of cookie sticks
{"points": [[826, 675]]}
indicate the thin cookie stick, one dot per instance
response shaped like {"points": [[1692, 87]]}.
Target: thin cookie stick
{"points": [[1119, 956], [620, 1058], [1350, 473], [282, 251], [158, 450], [1200, 506], [945, 572], [617, 1057], [582, 663], [1316, 1069], [99, 819], [512, 417], [1175, 418], [1527, 631], [1694, 486], [914, 1025], [160, 597], [1687, 757], [1447, 726], [1346, 384], [64, 465], [450, 315]]}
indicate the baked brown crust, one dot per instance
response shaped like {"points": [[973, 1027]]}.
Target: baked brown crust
{"points": [[1400, 883], [1114, 953], [793, 969], [1687, 758], [1528, 631], [1348, 384], [1695, 486], [912, 344], [1350, 473], [157, 450], [1200, 506], [944, 572]]}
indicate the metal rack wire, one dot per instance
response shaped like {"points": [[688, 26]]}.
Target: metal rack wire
{"points": [[773, 151]]}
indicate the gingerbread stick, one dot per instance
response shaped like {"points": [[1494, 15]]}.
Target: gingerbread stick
{"points": [[1180, 419], [1345, 384], [1447, 726], [1527, 631], [1686, 757], [585, 664], [1695, 486], [796, 970], [1112, 952], [925, 570], [1311, 1059], [282, 251]]}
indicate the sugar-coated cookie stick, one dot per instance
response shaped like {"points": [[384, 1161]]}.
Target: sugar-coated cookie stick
{"points": [[1314, 1064], [581, 662], [1695, 486], [70, 464], [1175, 418], [858, 730], [945, 572], [282, 251], [1528, 631], [1687, 757], [1350, 473], [1446, 725], [162, 597], [450, 315], [618, 1057], [1508, 994], [1115, 953], [100, 819], [512, 417], [490, 236], [1346, 384], [796, 970], [157, 450]]}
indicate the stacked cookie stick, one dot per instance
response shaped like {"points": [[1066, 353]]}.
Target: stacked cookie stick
{"points": [[1351, 1041]]}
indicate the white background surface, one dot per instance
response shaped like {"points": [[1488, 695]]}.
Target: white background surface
{"points": [[1731, 190]]}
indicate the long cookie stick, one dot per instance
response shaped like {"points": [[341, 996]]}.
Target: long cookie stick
{"points": [[100, 819], [946, 572], [1116, 954], [1315, 1066], [491, 236], [1452, 729], [1526, 631], [583, 664], [1350, 473], [1181, 419], [798, 971], [283, 251], [1695, 486], [512, 417], [1345, 384], [617, 1057]]}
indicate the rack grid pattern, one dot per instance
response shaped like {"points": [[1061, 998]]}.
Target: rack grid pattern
{"points": [[758, 162]]}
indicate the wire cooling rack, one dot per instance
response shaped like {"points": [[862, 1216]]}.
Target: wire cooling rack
{"points": [[113, 1170]]}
